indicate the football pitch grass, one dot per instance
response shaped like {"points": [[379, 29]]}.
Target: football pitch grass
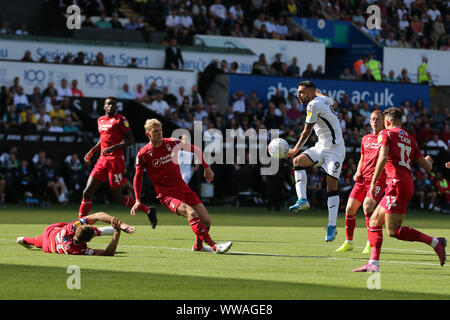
{"points": [[276, 256]]}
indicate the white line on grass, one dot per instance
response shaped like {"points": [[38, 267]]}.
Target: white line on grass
{"points": [[275, 255]]}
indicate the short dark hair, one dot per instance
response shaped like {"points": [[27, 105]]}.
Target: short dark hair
{"points": [[393, 113], [111, 98], [86, 233], [307, 84]]}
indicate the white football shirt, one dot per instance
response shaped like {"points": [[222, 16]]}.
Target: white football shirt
{"points": [[326, 123]]}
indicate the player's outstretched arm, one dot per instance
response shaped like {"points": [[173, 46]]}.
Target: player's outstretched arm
{"points": [[111, 249], [426, 163], [104, 217], [302, 140], [91, 152]]}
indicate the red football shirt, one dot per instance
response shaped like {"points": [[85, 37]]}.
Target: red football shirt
{"points": [[402, 150], [370, 148], [59, 239], [112, 131], [161, 169]]}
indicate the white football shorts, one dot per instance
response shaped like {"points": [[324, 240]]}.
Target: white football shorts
{"points": [[329, 159]]}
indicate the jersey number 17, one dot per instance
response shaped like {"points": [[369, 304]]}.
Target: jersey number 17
{"points": [[405, 152]]}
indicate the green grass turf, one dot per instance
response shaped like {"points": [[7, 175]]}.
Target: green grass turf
{"points": [[274, 256]]}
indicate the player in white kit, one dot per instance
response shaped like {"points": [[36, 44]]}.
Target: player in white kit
{"points": [[328, 153]]}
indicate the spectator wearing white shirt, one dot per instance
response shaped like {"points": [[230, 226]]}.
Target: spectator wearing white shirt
{"points": [[20, 99], [436, 142], [159, 105], [186, 21], [258, 22], [219, 12], [433, 12], [199, 113], [126, 94], [390, 41], [55, 126], [236, 13], [64, 90], [282, 28], [42, 114], [239, 103], [173, 21], [270, 25], [180, 95], [22, 31]]}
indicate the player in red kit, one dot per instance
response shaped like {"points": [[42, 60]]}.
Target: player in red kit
{"points": [[363, 177], [72, 238], [159, 157], [397, 151], [115, 137]]}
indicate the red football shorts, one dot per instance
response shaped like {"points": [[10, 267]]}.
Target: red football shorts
{"points": [[361, 190], [113, 169], [173, 198], [397, 196]]}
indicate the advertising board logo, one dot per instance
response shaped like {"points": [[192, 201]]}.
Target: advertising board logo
{"points": [[33, 75], [158, 80], [95, 79]]}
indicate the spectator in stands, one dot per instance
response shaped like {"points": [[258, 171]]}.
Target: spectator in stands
{"points": [[22, 31], [133, 63], [115, 23], [346, 75], [36, 94], [173, 57], [159, 105], [282, 28], [390, 41], [212, 29], [234, 67], [87, 23], [260, 67], [434, 12], [443, 190], [12, 119], [186, 21], [293, 70], [57, 59], [403, 77], [76, 92], [436, 142], [425, 134], [64, 90], [68, 59], [275, 67], [180, 95], [445, 134], [5, 28], [239, 101], [403, 43], [173, 23], [15, 86], [263, 33], [28, 125], [49, 179], [201, 22], [152, 91], [99, 60], [75, 172], [69, 126], [57, 112], [309, 72], [27, 57], [169, 97], [25, 112], [80, 58], [125, 93], [224, 66], [20, 99], [199, 113], [218, 12], [102, 23], [139, 93], [25, 180], [391, 77], [42, 114], [133, 24], [55, 125]]}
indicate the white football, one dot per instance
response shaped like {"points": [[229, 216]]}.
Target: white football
{"points": [[278, 148]]}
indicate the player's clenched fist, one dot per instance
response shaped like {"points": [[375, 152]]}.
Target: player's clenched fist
{"points": [[209, 175]]}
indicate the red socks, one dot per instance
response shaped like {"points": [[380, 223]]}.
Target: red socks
{"points": [[376, 240], [201, 233], [130, 201], [85, 207], [350, 223], [37, 241], [368, 222], [410, 234]]}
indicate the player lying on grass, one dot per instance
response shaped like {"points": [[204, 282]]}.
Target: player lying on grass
{"points": [[328, 153], [370, 146], [160, 157], [397, 150], [115, 137], [72, 238]]}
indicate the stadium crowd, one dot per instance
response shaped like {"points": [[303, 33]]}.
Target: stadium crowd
{"points": [[51, 111]]}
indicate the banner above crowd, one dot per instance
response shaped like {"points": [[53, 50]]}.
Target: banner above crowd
{"points": [[93, 81], [384, 94]]}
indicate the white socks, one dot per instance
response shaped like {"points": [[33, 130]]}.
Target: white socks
{"points": [[106, 230], [300, 182], [333, 207]]}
